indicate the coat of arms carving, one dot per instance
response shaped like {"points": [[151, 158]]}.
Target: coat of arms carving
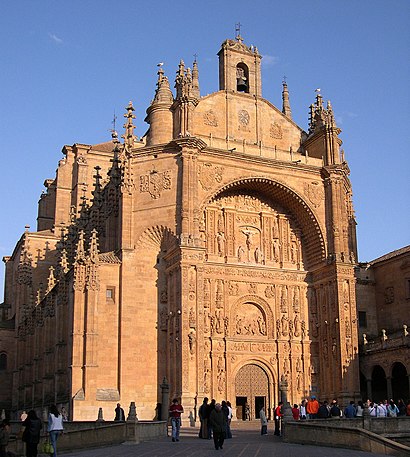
{"points": [[208, 174], [154, 183], [276, 131], [314, 192]]}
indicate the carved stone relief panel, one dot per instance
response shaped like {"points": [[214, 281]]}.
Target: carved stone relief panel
{"points": [[248, 229], [250, 321]]}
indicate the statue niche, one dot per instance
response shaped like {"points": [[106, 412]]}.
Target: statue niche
{"points": [[250, 321]]}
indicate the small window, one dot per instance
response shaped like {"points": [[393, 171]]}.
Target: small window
{"points": [[407, 288], [110, 293], [362, 319], [3, 361]]}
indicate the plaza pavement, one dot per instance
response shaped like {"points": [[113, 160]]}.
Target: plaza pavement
{"points": [[246, 442]]}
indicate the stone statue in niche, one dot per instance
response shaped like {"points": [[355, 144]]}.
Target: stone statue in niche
{"points": [[221, 382], [219, 327], [276, 250], [258, 255], [221, 364], [192, 342], [278, 329], [191, 317], [220, 239], [296, 307], [293, 252], [296, 324], [226, 325], [284, 325], [284, 300], [241, 254], [303, 328], [298, 365]]}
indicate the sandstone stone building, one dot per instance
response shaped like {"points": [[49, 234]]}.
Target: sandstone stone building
{"points": [[217, 251]]}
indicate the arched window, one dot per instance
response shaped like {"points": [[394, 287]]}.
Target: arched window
{"points": [[3, 361], [242, 78]]}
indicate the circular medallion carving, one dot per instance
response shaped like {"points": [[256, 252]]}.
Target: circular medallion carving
{"points": [[243, 117]]}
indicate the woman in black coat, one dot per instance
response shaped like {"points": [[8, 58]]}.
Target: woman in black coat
{"points": [[31, 435]]}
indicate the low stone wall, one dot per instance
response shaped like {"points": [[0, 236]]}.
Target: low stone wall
{"points": [[82, 435], [341, 433]]}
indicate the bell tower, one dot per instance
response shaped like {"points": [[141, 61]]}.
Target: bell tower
{"points": [[240, 67]]}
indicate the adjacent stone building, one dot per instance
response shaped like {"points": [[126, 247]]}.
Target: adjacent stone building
{"points": [[218, 251], [383, 302]]}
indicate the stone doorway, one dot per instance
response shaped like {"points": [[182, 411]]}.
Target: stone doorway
{"points": [[252, 388]]}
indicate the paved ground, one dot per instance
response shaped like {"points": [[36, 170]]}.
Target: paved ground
{"points": [[246, 442]]}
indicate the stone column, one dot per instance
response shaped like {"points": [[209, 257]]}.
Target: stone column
{"points": [[369, 389], [165, 399], [287, 409], [100, 417], [389, 388]]}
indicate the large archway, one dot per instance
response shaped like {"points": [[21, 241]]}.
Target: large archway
{"points": [[252, 390], [379, 384], [399, 381]]}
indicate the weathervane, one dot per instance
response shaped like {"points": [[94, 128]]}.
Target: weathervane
{"points": [[195, 56]]}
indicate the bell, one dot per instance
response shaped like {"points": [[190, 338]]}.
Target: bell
{"points": [[241, 85]]}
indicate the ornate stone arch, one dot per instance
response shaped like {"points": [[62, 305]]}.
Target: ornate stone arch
{"points": [[261, 304], [291, 200]]}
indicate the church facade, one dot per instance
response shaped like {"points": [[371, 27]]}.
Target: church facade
{"points": [[218, 251]]}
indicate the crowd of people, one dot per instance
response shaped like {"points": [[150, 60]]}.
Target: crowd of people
{"points": [[313, 409], [215, 419]]}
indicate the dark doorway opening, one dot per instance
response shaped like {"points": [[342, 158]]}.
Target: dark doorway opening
{"points": [[240, 407], [399, 382], [260, 402]]}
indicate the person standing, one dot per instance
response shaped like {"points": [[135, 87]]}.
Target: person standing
{"points": [[203, 431], [228, 427], [278, 418], [119, 414], [175, 411], [264, 421], [295, 412], [302, 409], [218, 421], [350, 410], [31, 434], [312, 407], [209, 410], [55, 426], [4, 437]]}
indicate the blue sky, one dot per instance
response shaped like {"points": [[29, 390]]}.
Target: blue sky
{"points": [[68, 65]]}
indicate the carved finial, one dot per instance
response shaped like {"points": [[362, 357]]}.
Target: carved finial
{"points": [[365, 338], [285, 98], [405, 331], [51, 279], [195, 79], [129, 136], [384, 335], [94, 246], [80, 252], [64, 262]]}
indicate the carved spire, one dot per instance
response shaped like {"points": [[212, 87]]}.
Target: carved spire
{"points": [[179, 79], [319, 116], [163, 93], [51, 281], [94, 247], [129, 136], [285, 98], [195, 79], [80, 251]]}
